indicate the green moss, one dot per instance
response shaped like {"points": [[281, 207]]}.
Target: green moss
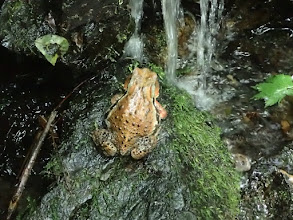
{"points": [[212, 179], [183, 71], [54, 208], [213, 182], [54, 167]]}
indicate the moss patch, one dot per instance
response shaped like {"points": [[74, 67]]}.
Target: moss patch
{"points": [[213, 183]]}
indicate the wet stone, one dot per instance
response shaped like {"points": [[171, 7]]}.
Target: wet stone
{"points": [[94, 186]]}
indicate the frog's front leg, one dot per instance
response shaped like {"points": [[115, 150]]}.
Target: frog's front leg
{"points": [[106, 140], [143, 146], [161, 110]]}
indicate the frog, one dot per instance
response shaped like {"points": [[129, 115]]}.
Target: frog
{"points": [[133, 120]]}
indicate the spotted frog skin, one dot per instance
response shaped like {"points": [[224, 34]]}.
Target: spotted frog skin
{"points": [[133, 120]]}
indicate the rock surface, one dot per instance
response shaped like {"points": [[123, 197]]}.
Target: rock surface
{"points": [[96, 30], [189, 175], [268, 188]]}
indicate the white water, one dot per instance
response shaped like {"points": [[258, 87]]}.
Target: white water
{"points": [[211, 13], [204, 45], [170, 12], [134, 47]]}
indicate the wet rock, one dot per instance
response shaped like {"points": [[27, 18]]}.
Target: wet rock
{"points": [[242, 162], [260, 34], [189, 175], [266, 191], [96, 30]]}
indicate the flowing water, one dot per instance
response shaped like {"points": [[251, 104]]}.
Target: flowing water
{"points": [[170, 12], [255, 136], [134, 47], [202, 45], [211, 12]]}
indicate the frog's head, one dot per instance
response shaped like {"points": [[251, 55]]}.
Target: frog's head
{"points": [[144, 80]]}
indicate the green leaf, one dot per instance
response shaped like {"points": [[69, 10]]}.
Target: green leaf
{"points": [[52, 46], [274, 89]]}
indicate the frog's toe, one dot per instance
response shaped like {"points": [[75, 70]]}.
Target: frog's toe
{"points": [[144, 146], [109, 148], [100, 135], [138, 153], [106, 140]]}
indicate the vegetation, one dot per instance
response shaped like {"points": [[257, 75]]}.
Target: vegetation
{"points": [[30, 208], [21, 25], [212, 180], [52, 46], [274, 89]]}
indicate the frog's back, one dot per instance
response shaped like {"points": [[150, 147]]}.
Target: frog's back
{"points": [[132, 118]]}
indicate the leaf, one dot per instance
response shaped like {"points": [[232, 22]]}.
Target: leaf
{"points": [[52, 46], [274, 89]]}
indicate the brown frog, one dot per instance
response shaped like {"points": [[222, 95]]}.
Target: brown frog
{"points": [[133, 119]]}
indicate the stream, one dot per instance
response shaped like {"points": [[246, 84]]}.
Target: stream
{"points": [[222, 85], [216, 57]]}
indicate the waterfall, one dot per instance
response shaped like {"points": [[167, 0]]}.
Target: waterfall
{"points": [[204, 43], [134, 47], [170, 12], [203, 46], [211, 12]]}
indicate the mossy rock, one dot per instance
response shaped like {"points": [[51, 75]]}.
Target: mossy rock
{"points": [[21, 24], [189, 175], [96, 30]]}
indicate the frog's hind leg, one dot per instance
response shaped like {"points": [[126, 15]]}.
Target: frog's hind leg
{"points": [[106, 140], [143, 146]]}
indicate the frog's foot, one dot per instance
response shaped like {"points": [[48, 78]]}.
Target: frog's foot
{"points": [[108, 148], [143, 146], [106, 140], [161, 110], [116, 98]]}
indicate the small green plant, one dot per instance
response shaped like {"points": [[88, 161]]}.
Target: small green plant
{"points": [[52, 46], [274, 89], [132, 66], [158, 70]]}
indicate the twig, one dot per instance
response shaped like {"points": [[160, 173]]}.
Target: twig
{"points": [[36, 146], [29, 165], [74, 89]]}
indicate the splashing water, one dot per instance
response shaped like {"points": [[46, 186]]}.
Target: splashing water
{"points": [[170, 13], [211, 12], [134, 47], [204, 94]]}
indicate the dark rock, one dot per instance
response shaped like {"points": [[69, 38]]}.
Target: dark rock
{"points": [[259, 32], [189, 175], [266, 192], [96, 30]]}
